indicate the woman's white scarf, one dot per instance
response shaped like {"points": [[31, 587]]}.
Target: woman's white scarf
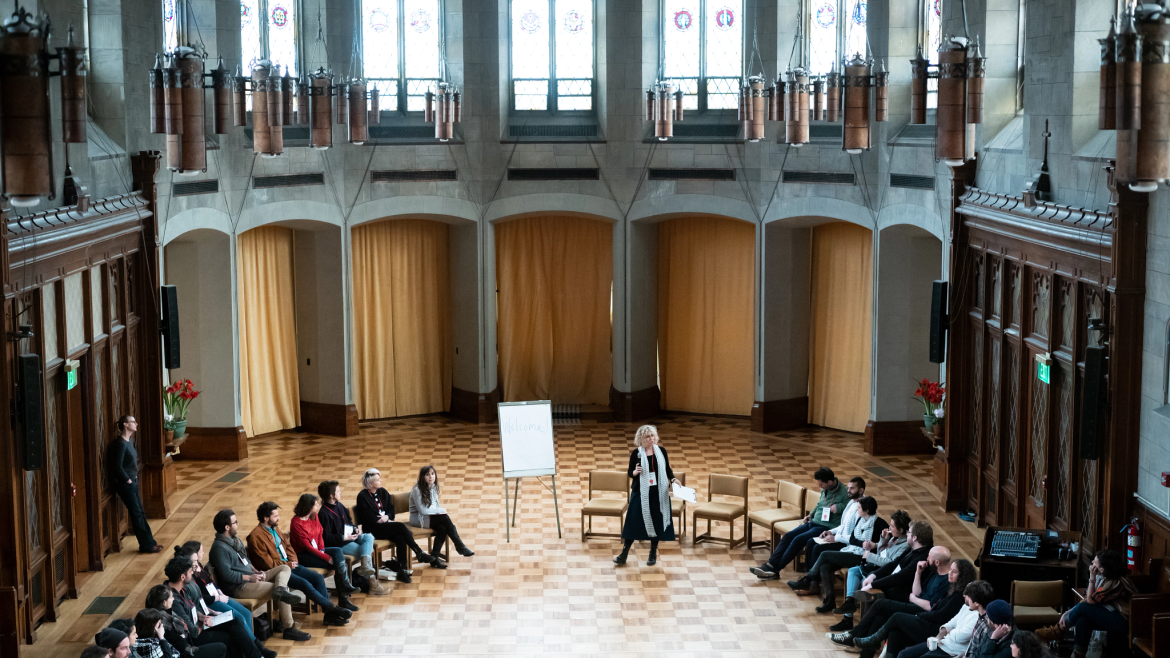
{"points": [[663, 490]]}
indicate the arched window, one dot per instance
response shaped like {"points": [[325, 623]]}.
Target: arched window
{"points": [[702, 51], [401, 50], [268, 30], [931, 17], [552, 57], [170, 25], [836, 31]]}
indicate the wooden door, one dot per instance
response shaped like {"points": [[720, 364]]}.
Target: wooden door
{"points": [[75, 428]]}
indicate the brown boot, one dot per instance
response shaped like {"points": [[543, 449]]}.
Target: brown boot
{"points": [[813, 587], [1049, 633]]}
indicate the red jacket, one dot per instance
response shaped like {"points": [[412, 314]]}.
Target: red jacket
{"points": [[303, 533]]}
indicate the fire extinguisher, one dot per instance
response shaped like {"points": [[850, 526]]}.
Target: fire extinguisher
{"points": [[1133, 544]]}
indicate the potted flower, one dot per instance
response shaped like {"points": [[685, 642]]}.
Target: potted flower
{"points": [[931, 395], [939, 425], [176, 398]]}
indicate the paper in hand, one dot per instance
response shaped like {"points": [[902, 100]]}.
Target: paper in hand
{"points": [[350, 530], [221, 618], [822, 541], [683, 493]]}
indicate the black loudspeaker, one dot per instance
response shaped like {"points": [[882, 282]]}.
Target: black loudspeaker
{"points": [[170, 326], [1094, 416], [29, 413], [938, 322]]}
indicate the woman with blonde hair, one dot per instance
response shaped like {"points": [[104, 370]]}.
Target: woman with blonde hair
{"points": [[649, 515]]}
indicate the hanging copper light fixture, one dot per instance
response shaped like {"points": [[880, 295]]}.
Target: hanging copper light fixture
{"points": [[288, 88], [359, 115], [303, 100], [833, 95], [796, 131], [960, 73], [664, 106], [375, 116], [819, 98], [1107, 102], [752, 108], [25, 131], [320, 111], [919, 73], [856, 136], [444, 107], [1143, 98]]}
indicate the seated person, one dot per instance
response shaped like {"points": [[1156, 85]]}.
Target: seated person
{"points": [[375, 513], [151, 636], [1106, 598], [335, 520], [126, 625], [919, 574], [309, 544], [968, 627], [905, 629], [93, 651], [1003, 632], [114, 641], [211, 595], [176, 630], [827, 514], [267, 549], [238, 578], [1025, 644], [874, 556], [836, 538], [425, 511], [820, 576], [240, 644]]}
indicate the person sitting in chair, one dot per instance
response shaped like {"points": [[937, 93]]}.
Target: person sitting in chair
{"points": [[425, 511], [375, 513], [340, 532]]}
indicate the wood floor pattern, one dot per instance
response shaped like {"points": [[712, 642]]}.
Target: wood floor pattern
{"points": [[538, 594]]}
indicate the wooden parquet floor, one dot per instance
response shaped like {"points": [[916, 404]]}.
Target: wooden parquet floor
{"points": [[539, 594]]}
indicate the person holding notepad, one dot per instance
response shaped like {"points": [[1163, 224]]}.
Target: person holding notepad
{"points": [[649, 515], [425, 511]]}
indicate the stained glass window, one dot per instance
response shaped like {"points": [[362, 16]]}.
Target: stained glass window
{"points": [[932, 34], [836, 31], [402, 69], [170, 26], [702, 50], [552, 54], [268, 30]]}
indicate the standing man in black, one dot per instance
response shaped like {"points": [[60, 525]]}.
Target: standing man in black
{"points": [[122, 462]]}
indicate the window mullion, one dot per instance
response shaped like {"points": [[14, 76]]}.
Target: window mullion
{"points": [[702, 55], [552, 56], [401, 46]]}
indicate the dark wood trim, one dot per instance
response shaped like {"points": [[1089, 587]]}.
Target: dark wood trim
{"points": [[635, 406], [779, 415], [479, 408], [215, 444], [1155, 535], [896, 437], [331, 419]]}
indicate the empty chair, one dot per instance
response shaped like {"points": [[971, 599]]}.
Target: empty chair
{"points": [[1037, 603], [605, 481], [789, 507], [722, 485], [678, 507]]}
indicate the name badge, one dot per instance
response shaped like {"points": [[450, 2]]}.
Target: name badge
{"points": [[244, 560], [314, 543], [653, 480], [211, 589], [203, 604], [825, 513], [195, 616]]}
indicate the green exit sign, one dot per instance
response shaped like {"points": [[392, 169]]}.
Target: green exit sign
{"points": [[70, 380], [1044, 368]]}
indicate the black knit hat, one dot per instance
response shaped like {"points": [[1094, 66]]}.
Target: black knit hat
{"points": [[109, 638]]}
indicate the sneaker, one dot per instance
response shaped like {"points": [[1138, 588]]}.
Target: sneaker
{"points": [[296, 635], [285, 595], [403, 577], [764, 574], [848, 606], [845, 624], [348, 605], [841, 639]]}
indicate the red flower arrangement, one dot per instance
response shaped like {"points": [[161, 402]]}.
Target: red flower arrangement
{"points": [[931, 395], [177, 397]]}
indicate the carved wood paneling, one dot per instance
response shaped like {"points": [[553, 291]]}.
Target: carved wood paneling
{"points": [[1061, 492], [1038, 441], [1041, 303], [995, 367], [996, 268], [1016, 291], [1013, 421], [977, 394]]}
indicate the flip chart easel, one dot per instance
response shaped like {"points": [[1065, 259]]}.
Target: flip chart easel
{"points": [[527, 450]]}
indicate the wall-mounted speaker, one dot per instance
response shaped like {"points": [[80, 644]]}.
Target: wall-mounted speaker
{"points": [[938, 322], [169, 326], [31, 440], [1094, 412]]}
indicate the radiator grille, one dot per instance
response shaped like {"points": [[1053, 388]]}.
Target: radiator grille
{"points": [[36, 590], [912, 181], [287, 180], [819, 177], [720, 130], [59, 568], [196, 187], [412, 175], [580, 173], [552, 131], [692, 174]]}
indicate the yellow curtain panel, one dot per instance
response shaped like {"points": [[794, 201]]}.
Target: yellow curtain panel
{"points": [[842, 298], [555, 275], [706, 284], [269, 389], [401, 326]]}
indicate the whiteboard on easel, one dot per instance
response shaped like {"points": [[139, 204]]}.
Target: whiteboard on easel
{"points": [[526, 438]]}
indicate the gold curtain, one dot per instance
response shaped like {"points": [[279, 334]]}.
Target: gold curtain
{"points": [[270, 397], [555, 277], [706, 286], [842, 298], [401, 330]]}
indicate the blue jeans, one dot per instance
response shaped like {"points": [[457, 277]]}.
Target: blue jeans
{"points": [[363, 546], [853, 581], [792, 543], [337, 564], [304, 579], [238, 612], [1088, 617]]}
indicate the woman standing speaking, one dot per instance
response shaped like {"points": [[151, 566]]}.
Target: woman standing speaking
{"points": [[649, 514]]}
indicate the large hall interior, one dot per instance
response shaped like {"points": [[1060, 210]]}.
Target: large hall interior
{"points": [[796, 328]]}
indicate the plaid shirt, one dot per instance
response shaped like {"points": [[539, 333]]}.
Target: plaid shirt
{"points": [[978, 636]]}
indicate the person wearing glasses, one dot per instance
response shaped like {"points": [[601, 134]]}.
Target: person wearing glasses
{"points": [[122, 462]]}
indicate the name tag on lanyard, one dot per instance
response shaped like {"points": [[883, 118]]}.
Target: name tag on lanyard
{"points": [[653, 479], [825, 513]]}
